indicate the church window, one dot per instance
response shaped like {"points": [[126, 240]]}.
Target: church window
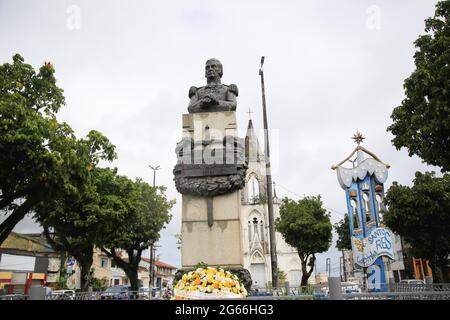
{"points": [[253, 190]]}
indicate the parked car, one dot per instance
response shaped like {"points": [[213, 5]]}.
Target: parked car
{"points": [[116, 293], [63, 295], [412, 281], [144, 293], [346, 287], [13, 297], [350, 287]]}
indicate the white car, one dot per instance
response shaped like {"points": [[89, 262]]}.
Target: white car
{"points": [[63, 295], [412, 281], [144, 293], [350, 287]]}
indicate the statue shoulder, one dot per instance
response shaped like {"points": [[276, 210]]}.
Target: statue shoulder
{"points": [[192, 91], [233, 88]]}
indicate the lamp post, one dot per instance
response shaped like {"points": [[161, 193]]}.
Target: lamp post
{"points": [[151, 270], [273, 249]]}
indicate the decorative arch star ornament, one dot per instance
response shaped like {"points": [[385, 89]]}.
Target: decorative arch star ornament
{"points": [[358, 137]]}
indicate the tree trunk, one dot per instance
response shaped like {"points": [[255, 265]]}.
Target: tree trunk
{"points": [[343, 266], [132, 274], [306, 260], [130, 268], [134, 258], [85, 267], [18, 214], [85, 258]]}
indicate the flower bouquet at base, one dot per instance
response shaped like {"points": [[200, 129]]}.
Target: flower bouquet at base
{"points": [[209, 283]]}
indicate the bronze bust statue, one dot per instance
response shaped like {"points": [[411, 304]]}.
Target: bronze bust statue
{"points": [[215, 96]]}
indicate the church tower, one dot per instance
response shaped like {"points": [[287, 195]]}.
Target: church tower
{"points": [[255, 222]]}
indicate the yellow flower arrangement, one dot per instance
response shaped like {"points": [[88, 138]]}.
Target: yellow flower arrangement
{"points": [[209, 282]]}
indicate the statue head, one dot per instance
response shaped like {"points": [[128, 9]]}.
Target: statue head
{"points": [[213, 69]]}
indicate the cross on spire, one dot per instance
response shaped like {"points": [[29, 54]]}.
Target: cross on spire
{"points": [[249, 114]]}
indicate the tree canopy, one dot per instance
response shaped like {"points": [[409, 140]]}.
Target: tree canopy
{"points": [[139, 212], [114, 213], [421, 216], [422, 122], [306, 226], [46, 170], [342, 229], [40, 158]]}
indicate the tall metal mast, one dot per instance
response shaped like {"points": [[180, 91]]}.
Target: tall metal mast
{"points": [[273, 249]]}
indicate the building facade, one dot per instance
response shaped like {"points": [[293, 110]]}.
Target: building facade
{"points": [[27, 260], [255, 222]]}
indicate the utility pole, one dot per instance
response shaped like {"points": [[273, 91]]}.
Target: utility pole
{"points": [[328, 268], [151, 271], [273, 249]]}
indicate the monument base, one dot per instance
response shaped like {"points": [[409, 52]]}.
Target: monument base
{"points": [[219, 245]]}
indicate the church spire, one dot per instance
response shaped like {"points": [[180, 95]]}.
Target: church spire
{"points": [[252, 150]]}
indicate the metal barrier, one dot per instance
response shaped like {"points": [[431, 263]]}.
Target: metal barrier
{"points": [[397, 291], [105, 295], [13, 297], [419, 295]]}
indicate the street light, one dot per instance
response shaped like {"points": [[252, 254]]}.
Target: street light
{"points": [[154, 172], [152, 249]]}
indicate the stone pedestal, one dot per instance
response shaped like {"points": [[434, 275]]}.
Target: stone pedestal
{"points": [[219, 242], [218, 245]]}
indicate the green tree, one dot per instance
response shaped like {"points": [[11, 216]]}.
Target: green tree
{"points": [[343, 242], [306, 226], [29, 133], [420, 215], [40, 158], [281, 276], [422, 122], [71, 219], [144, 212], [342, 229], [97, 284]]}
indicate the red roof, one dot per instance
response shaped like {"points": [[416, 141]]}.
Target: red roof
{"points": [[160, 264], [164, 265]]}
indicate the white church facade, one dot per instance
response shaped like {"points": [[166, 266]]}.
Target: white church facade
{"points": [[255, 226]]}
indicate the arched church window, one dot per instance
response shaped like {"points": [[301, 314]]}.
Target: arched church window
{"points": [[355, 214], [249, 231], [253, 190]]}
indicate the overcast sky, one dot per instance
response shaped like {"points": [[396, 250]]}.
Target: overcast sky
{"points": [[332, 68]]}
